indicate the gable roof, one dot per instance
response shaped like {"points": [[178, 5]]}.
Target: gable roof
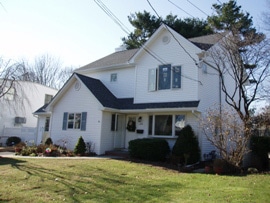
{"points": [[125, 57], [107, 99], [116, 58], [207, 41]]}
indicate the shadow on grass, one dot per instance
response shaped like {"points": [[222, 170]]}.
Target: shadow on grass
{"points": [[78, 182], [10, 161]]}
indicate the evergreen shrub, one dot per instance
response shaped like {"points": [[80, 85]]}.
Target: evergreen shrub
{"points": [[80, 147], [260, 146], [11, 141], [49, 141], [186, 147], [149, 149]]}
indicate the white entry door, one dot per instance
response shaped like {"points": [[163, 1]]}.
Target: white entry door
{"points": [[119, 138]]}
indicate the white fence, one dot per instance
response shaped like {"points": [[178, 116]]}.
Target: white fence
{"points": [[26, 134]]}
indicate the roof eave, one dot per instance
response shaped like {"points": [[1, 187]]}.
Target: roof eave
{"points": [[112, 67], [158, 110]]}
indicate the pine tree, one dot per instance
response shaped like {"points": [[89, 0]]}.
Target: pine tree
{"points": [[80, 147], [186, 146]]}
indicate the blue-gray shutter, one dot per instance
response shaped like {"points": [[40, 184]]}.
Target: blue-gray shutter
{"points": [[83, 124], [164, 77], [64, 126], [113, 122], [176, 83]]}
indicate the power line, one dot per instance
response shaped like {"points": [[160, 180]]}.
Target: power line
{"points": [[110, 14], [197, 8], [178, 43], [125, 29], [174, 36], [181, 9]]}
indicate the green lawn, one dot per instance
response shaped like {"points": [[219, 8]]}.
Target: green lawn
{"points": [[103, 180]]}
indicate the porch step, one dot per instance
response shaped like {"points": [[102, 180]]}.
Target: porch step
{"points": [[119, 153]]}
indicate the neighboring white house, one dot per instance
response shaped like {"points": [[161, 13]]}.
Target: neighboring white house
{"points": [[149, 92], [17, 107]]}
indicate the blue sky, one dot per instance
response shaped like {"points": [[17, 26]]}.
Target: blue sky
{"points": [[78, 31]]}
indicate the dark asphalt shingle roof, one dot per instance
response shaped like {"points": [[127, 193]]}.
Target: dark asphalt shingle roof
{"points": [[206, 41], [107, 99], [41, 109]]}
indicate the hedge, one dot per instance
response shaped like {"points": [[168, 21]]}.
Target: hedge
{"points": [[149, 149]]}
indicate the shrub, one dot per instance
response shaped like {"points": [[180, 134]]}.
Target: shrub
{"points": [[149, 149], [80, 147], [260, 146], [49, 141], [13, 141], [186, 147], [30, 150]]}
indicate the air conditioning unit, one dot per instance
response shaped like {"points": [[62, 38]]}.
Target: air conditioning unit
{"points": [[20, 120]]}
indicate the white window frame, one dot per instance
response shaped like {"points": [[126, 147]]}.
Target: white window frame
{"points": [[75, 124], [174, 120], [154, 76]]}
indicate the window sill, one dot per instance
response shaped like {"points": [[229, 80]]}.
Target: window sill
{"points": [[163, 136]]}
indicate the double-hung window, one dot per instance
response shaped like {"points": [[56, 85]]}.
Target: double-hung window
{"points": [[74, 121], [165, 77]]}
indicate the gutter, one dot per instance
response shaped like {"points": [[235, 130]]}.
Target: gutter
{"points": [[192, 109], [112, 67]]}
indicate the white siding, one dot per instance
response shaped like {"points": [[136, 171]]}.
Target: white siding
{"points": [[171, 53], [107, 136], [123, 87], [31, 97], [76, 102]]}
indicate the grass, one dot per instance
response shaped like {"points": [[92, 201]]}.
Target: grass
{"points": [[104, 180]]}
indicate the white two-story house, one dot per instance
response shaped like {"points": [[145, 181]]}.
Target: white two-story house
{"points": [[151, 92], [16, 109]]}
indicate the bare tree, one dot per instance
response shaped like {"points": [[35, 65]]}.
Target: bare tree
{"points": [[46, 70], [265, 17], [225, 131], [242, 62], [7, 76]]}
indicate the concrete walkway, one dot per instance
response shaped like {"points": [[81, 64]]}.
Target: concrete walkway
{"points": [[12, 155], [7, 154]]}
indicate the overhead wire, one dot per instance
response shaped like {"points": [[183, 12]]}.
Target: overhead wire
{"points": [[110, 14], [168, 29], [180, 8], [126, 30]]}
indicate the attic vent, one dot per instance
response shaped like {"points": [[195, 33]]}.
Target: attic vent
{"points": [[166, 39], [20, 120], [77, 86]]}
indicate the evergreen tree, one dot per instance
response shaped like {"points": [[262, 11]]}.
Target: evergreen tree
{"points": [[80, 147], [146, 24], [230, 17], [186, 146]]}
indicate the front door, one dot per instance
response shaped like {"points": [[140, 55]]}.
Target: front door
{"points": [[46, 133], [119, 139]]}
